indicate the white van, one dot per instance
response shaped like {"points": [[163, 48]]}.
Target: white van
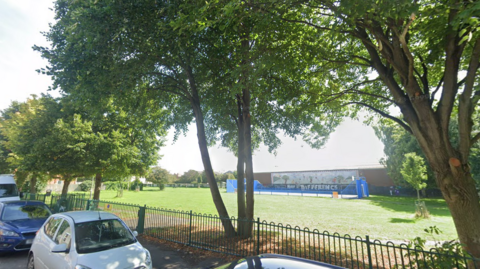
{"points": [[8, 188]]}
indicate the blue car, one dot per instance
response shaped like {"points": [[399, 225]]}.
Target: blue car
{"points": [[19, 223]]}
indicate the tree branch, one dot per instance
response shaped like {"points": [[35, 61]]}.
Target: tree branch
{"points": [[475, 139], [383, 114], [424, 78], [170, 91]]}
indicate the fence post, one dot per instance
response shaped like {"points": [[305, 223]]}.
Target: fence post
{"points": [[190, 230], [369, 251], [258, 236], [88, 205], [141, 219]]}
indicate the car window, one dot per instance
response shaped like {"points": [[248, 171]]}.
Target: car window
{"points": [[8, 190], [101, 235], [17, 212], [51, 226], [64, 234]]}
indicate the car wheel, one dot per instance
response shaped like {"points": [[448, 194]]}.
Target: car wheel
{"points": [[31, 262]]}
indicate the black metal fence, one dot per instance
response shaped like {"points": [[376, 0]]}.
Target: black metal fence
{"points": [[206, 232]]}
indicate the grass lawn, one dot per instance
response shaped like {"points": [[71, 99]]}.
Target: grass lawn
{"points": [[380, 217]]}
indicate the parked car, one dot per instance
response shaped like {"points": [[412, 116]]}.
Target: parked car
{"points": [[87, 239], [19, 221], [274, 261], [8, 188]]}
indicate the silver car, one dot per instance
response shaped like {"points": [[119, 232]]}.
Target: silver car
{"points": [[87, 240]]}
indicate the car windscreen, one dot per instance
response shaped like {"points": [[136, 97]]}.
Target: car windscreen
{"points": [[18, 212], [8, 190], [101, 235]]}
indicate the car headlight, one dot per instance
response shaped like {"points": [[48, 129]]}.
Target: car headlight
{"points": [[79, 266], [4, 232], [148, 259]]}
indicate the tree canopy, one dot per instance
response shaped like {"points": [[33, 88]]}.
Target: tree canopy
{"points": [[227, 64]]}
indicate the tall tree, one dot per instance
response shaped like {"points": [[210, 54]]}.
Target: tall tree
{"points": [[258, 88], [21, 126], [111, 50], [50, 138], [420, 56]]}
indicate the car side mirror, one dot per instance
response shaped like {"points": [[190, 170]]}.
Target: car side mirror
{"points": [[135, 233], [59, 248]]}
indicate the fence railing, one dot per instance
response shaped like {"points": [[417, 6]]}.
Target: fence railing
{"points": [[206, 232]]}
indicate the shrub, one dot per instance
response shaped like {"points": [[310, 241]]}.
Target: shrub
{"points": [[448, 253], [86, 185], [162, 186], [134, 184]]}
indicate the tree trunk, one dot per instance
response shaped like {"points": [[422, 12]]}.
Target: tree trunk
{"points": [[33, 184], [248, 161], [463, 202], [98, 185], [242, 229], [202, 144], [66, 183], [418, 195], [244, 79], [429, 122]]}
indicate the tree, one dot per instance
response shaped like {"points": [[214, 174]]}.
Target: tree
{"points": [[20, 127], [190, 176], [51, 138], [398, 142], [420, 56], [414, 172], [258, 89], [140, 54], [159, 176]]}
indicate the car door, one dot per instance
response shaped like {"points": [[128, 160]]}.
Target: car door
{"points": [[43, 240], [63, 235]]}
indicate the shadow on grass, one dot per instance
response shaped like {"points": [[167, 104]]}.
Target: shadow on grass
{"points": [[436, 207], [398, 220]]}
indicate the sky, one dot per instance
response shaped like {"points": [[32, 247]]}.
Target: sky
{"points": [[352, 145]]}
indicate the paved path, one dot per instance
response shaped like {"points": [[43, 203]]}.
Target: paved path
{"points": [[163, 257]]}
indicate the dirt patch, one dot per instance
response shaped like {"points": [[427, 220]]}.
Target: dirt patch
{"points": [[170, 255]]}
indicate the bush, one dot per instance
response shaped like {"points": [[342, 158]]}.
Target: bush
{"points": [[86, 185], [136, 183], [449, 254], [162, 186]]}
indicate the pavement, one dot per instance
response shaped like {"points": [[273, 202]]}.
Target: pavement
{"points": [[165, 255]]}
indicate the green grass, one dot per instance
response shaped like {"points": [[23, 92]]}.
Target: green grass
{"points": [[380, 217]]}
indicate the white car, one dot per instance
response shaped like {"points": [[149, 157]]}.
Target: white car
{"points": [[87, 240]]}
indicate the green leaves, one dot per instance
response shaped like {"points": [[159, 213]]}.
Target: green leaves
{"points": [[414, 171]]}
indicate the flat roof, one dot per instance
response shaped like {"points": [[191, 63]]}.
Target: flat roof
{"points": [[366, 167]]}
